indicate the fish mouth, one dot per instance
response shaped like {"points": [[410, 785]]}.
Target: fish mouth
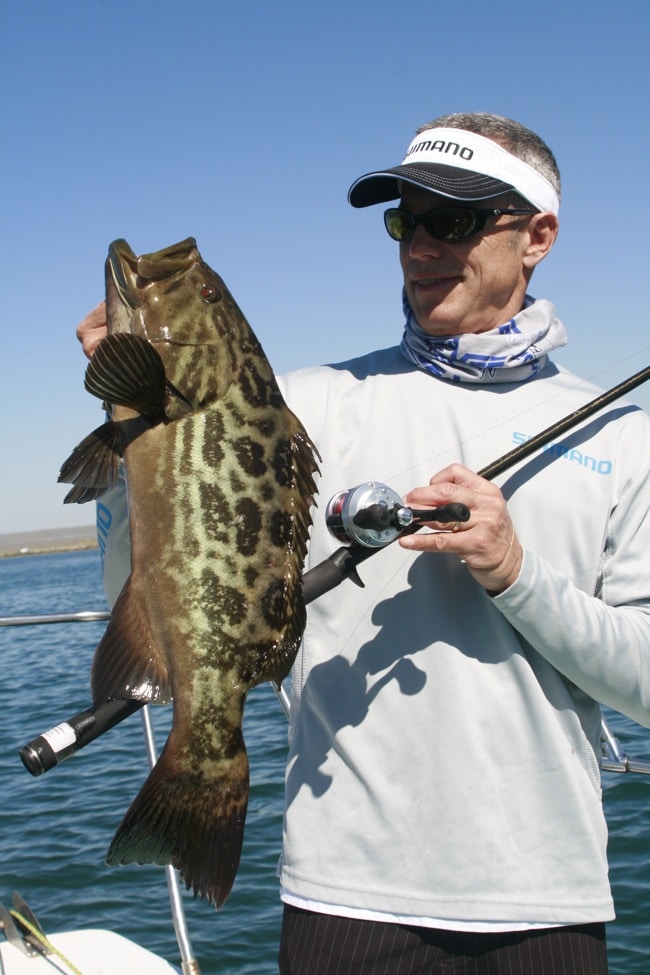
{"points": [[131, 274]]}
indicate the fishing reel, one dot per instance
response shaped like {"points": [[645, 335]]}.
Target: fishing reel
{"points": [[373, 515]]}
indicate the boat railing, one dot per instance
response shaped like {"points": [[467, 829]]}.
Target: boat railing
{"points": [[189, 962]]}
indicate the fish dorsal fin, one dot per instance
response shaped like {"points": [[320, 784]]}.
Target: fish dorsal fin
{"points": [[126, 370], [305, 459], [93, 465], [127, 663]]}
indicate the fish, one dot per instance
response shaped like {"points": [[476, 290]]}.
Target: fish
{"points": [[221, 480]]}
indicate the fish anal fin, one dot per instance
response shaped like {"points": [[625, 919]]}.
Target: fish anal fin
{"points": [[93, 466], [127, 370], [127, 663], [191, 820]]}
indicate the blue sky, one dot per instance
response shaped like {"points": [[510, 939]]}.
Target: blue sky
{"points": [[243, 124]]}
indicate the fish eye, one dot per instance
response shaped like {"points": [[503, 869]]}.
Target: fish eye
{"points": [[209, 293]]}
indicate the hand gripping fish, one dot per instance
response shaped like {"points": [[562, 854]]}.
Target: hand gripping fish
{"points": [[220, 481]]}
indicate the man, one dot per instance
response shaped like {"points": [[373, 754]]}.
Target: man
{"points": [[443, 808]]}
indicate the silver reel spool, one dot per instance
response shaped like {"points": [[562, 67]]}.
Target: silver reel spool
{"points": [[368, 515]]}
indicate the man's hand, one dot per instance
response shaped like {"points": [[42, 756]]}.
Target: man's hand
{"points": [[92, 329], [487, 543]]}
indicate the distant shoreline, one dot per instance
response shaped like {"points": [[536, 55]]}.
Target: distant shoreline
{"points": [[48, 541]]}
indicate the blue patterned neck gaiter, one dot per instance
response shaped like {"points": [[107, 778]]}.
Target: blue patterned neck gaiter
{"points": [[510, 353]]}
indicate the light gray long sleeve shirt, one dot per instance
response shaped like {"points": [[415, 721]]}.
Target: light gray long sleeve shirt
{"points": [[444, 758]]}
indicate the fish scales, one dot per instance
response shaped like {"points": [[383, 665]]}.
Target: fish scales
{"points": [[220, 482]]}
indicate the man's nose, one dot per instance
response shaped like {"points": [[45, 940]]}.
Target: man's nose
{"points": [[422, 244]]}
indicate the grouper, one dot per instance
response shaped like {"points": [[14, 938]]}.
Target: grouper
{"points": [[220, 480]]}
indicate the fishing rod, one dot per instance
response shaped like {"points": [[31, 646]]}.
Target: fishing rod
{"points": [[54, 746], [366, 518]]}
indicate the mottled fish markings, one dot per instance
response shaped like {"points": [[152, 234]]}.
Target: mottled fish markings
{"points": [[220, 483]]}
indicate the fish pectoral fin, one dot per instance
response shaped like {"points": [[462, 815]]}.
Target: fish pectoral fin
{"points": [[126, 370], [191, 819], [128, 664], [93, 466]]}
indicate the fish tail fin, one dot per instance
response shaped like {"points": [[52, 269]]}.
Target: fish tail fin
{"points": [[194, 822]]}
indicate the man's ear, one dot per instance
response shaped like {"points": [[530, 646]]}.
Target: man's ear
{"points": [[542, 231]]}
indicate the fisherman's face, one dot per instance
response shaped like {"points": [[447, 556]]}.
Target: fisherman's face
{"points": [[464, 286]]}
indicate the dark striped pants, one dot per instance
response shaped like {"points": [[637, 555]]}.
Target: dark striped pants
{"points": [[320, 944]]}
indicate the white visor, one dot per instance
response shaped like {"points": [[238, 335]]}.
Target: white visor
{"points": [[460, 165]]}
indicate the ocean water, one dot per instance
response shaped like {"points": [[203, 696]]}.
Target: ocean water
{"points": [[55, 829]]}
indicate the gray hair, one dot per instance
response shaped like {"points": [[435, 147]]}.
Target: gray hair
{"points": [[513, 136]]}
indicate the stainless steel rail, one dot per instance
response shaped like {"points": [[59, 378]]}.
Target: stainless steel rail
{"points": [[89, 616], [189, 963], [614, 758]]}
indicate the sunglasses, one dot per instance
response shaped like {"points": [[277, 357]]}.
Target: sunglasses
{"points": [[443, 223]]}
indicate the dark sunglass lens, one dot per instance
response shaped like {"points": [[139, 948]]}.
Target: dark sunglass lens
{"points": [[399, 224], [453, 223]]}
